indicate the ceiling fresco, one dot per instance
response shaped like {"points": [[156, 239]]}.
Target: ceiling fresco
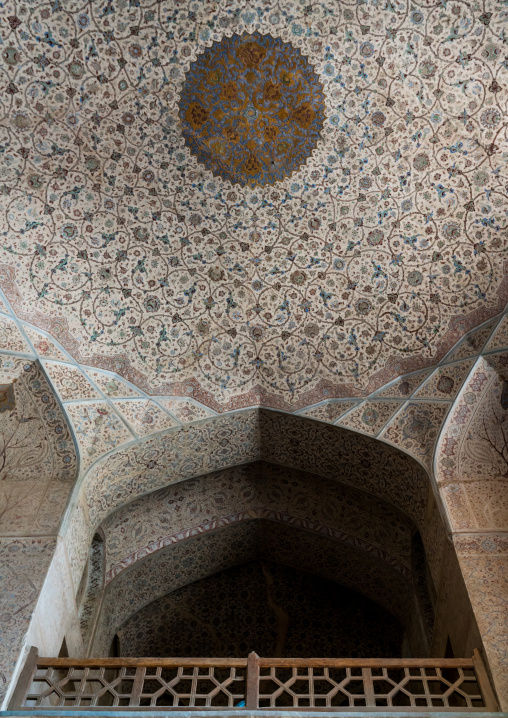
{"points": [[322, 212]]}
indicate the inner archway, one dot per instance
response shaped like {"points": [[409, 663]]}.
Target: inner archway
{"points": [[266, 607]]}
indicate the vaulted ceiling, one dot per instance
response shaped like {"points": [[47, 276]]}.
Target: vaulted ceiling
{"points": [[269, 205]]}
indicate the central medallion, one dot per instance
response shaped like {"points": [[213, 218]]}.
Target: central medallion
{"points": [[252, 109]]}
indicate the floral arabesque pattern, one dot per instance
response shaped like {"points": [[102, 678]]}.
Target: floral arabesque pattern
{"points": [[232, 613], [38, 461], [38, 468], [368, 263], [158, 519], [471, 471]]}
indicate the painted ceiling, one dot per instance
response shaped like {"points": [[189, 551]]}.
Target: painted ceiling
{"points": [[270, 205]]}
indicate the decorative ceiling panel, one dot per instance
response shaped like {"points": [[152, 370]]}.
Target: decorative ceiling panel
{"points": [[328, 412], [11, 338], [371, 416], [70, 382], [98, 430], [111, 386], [44, 346], [445, 382], [144, 417], [128, 234], [185, 410]]}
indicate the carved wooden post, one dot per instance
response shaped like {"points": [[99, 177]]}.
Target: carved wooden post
{"points": [[137, 685], [368, 687], [484, 682], [25, 680], [252, 691]]}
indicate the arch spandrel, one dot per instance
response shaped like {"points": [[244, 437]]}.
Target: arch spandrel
{"points": [[38, 458]]}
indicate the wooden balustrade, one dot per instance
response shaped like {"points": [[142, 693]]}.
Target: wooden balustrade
{"points": [[254, 683]]}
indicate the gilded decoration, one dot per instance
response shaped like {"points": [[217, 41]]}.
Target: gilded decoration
{"points": [[252, 109]]}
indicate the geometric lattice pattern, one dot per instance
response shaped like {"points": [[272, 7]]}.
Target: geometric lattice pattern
{"points": [[180, 686], [327, 687], [229, 683]]}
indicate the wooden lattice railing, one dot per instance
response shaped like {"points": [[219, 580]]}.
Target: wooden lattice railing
{"points": [[284, 683]]}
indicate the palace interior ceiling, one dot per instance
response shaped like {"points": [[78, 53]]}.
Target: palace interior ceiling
{"points": [[270, 235], [276, 609], [254, 204]]}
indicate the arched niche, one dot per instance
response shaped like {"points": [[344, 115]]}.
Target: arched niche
{"points": [[349, 518], [340, 458], [266, 607], [243, 437], [193, 559]]}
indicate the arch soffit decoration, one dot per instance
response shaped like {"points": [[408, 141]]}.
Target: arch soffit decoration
{"points": [[256, 491], [107, 412], [227, 441], [103, 433], [471, 465]]}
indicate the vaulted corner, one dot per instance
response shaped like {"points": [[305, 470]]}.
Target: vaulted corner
{"points": [[257, 488], [471, 463], [262, 512], [38, 468], [255, 491]]}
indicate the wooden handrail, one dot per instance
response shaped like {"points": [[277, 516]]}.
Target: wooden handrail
{"points": [[44, 661], [253, 683], [367, 662]]}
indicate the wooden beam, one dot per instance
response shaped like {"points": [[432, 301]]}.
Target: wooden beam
{"points": [[252, 688]]}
